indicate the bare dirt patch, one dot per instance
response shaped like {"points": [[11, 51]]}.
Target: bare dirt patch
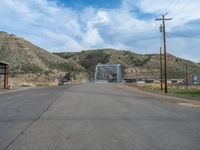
{"points": [[189, 105]]}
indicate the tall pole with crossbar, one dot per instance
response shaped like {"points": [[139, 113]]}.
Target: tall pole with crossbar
{"points": [[163, 19]]}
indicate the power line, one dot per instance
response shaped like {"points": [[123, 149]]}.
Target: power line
{"points": [[171, 5], [184, 7], [171, 35], [179, 6], [147, 38]]}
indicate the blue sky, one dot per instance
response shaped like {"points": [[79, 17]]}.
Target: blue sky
{"points": [[81, 4], [75, 25]]}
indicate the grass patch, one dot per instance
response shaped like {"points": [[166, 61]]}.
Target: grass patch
{"points": [[182, 92], [186, 93]]}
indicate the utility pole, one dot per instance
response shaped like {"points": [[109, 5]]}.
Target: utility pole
{"points": [[186, 74], [161, 70], [163, 19]]}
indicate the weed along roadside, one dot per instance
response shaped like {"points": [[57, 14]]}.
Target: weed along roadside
{"points": [[186, 93], [181, 95]]}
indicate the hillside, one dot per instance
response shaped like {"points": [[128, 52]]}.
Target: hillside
{"points": [[32, 65], [25, 57], [133, 65]]}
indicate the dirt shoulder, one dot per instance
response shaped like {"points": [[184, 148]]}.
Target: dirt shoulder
{"points": [[16, 89], [160, 96]]}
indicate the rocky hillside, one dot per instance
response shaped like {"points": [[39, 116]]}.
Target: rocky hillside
{"points": [[133, 65], [25, 57]]}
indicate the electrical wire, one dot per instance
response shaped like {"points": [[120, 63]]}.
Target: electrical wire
{"points": [[185, 7], [173, 5], [171, 35]]}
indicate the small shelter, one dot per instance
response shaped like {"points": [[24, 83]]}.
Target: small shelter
{"points": [[4, 70]]}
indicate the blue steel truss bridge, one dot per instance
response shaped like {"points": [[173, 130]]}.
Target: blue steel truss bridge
{"points": [[108, 73]]}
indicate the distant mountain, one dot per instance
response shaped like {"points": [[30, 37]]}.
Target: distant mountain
{"points": [[25, 57], [133, 65]]}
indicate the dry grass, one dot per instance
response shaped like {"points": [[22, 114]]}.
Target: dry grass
{"points": [[188, 92], [172, 98]]}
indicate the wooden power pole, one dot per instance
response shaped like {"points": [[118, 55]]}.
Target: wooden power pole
{"points": [[163, 19], [186, 74], [161, 70]]}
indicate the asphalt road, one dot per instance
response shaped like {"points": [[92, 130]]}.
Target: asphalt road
{"points": [[95, 117]]}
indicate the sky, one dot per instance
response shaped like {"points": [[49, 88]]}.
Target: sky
{"points": [[75, 25]]}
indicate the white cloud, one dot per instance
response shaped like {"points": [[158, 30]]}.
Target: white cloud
{"points": [[182, 11], [92, 38], [56, 27], [102, 17]]}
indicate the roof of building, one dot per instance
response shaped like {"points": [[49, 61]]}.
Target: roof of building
{"points": [[3, 63]]}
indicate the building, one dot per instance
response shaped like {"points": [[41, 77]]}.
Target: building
{"points": [[193, 79], [4, 71], [177, 81]]}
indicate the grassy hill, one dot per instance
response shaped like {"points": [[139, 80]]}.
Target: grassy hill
{"points": [[31, 65], [133, 65], [25, 57]]}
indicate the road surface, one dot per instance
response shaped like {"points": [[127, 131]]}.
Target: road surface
{"points": [[95, 117]]}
